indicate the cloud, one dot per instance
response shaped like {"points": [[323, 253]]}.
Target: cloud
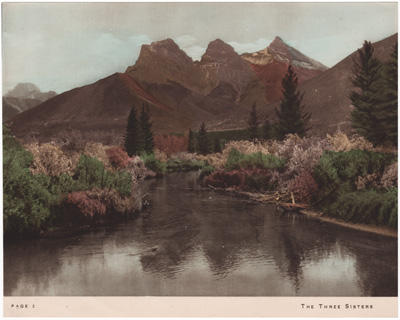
{"points": [[190, 45], [186, 41], [254, 46]]}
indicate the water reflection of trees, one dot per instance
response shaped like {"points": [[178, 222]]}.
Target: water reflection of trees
{"points": [[172, 230], [229, 232]]}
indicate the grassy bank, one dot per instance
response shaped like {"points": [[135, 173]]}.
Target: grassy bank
{"points": [[344, 178]]}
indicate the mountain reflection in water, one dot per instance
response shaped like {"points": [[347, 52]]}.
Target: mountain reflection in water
{"points": [[192, 242]]}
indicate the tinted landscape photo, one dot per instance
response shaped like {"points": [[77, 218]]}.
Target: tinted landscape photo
{"points": [[200, 149]]}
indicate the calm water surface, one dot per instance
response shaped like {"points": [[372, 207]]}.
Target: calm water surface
{"points": [[195, 242]]}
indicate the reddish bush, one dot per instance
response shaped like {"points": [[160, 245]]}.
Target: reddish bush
{"points": [[171, 144], [117, 157], [304, 187], [83, 208]]}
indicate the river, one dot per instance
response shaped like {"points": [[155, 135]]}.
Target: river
{"points": [[194, 242]]}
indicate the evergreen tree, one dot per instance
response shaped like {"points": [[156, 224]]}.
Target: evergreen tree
{"points": [[203, 140], [267, 129], [253, 123], [133, 138], [367, 80], [387, 107], [147, 133], [191, 142], [291, 117]]}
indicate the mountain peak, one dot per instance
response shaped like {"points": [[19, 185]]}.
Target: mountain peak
{"points": [[29, 90], [278, 44], [166, 43], [218, 42], [282, 52], [278, 40], [166, 48], [218, 50], [23, 90]]}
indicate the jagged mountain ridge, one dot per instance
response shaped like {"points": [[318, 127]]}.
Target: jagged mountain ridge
{"points": [[23, 97], [181, 93]]}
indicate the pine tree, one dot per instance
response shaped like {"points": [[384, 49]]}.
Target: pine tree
{"points": [[367, 79], [147, 133], [133, 138], [388, 105], [253, 123], [291, 117], [203, 140], [191, 142]]}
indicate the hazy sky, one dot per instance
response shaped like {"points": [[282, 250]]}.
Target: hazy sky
{"points": [[59, 46]]}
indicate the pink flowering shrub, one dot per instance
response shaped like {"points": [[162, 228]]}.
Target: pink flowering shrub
{"points": [[117, 157], [304, 187], [82, 208]]}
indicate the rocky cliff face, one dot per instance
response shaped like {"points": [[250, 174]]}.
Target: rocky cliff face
{"points": [[163, 62], [231, 70]]}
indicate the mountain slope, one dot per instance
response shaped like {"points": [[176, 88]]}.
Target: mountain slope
{"points": [[327, 95]]}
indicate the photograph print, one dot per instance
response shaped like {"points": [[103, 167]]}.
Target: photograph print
{"points": [[200, 149]]}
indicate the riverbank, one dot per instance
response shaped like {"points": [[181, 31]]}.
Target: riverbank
{"points": [[282, 200]]}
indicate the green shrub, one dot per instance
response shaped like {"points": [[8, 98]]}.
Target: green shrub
{"points": [[237, 160], [120, 181], [338, 171], [192, 165], [153, 164], [366, 206], [234, 158], [174, 165], [27, 202], [90, 173]]}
